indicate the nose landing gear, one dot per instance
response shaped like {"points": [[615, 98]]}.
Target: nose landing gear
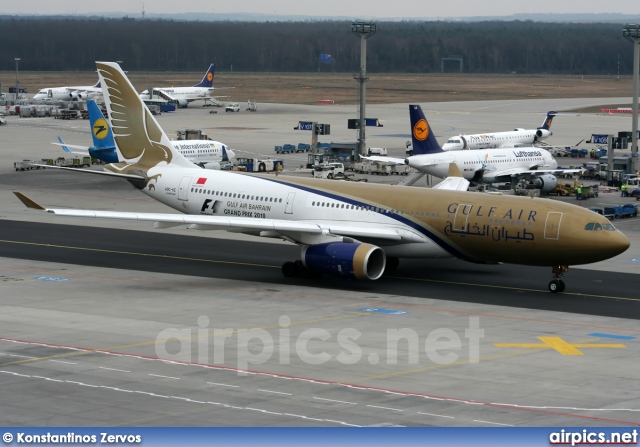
{"points": [[556, 285]]}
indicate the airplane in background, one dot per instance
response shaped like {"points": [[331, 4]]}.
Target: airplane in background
{"points": [[207, 154], [68, 93], [514, 138], [535, 165], [352, 230], [184, 95]]}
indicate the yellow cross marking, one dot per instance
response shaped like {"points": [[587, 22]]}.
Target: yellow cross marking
{"points": [[560, 345]]}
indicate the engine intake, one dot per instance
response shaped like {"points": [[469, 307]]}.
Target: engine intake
{"points": [[346, 259], [543, 133]]}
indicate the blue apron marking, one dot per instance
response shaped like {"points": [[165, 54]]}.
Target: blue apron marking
{"points": [[617, 337], [50, 278], [384, 311]]}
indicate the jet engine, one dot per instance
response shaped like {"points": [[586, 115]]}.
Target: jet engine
{"points": [[182, 103], [543, 133], [74, 96], [545, 182], [352, 260]]}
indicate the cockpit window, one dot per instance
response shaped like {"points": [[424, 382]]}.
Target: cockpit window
{"points": [[594, 226]]}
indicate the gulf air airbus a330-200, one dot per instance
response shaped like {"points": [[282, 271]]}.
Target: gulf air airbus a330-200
{"points": [[348, 229]]}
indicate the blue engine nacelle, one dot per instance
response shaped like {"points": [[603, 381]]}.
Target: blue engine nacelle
{"points": [[546, 182], [347, 259]]}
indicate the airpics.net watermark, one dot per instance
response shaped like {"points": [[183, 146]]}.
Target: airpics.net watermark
{"points": [[316, 346]]}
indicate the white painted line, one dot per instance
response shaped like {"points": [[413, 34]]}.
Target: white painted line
{"points": [[62, 361], [338, 401], [437, 415], [223, 384], [384, 408], [275, 392], [114, 369], [165, 377], [21, 356], [494, 423], [262, 411]]}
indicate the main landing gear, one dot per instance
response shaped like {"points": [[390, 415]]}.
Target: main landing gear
{"points": [[297, 269], [557, 285]]}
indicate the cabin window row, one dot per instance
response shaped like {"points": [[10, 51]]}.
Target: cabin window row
{"points": [[234, 195]]}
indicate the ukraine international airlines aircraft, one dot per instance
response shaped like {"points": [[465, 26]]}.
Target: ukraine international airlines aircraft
{"points": [[535, 165], [351, 230], [184, 95], [514, 138], [68, 93], [207, 154]]}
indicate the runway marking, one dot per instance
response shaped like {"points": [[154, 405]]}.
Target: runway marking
{"points": [[617, 337], [491, 286], [559, 345], [103, 367], [223, 384], [337, 401], [494, 423], [62, 361], [275, 392], [384, 408], [326, 382], [164, 377], [185, 399], [148, 255], [437, 415]]}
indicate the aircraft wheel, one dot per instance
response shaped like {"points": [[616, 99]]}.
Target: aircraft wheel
{"points": [[556, 286], [330, 176]]}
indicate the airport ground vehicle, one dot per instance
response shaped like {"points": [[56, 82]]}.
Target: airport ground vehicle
{"points": [[232, 107], [257, 165], [2, 119], [328, 170], [251, 106], [25, 165], [400, 169], [594, 170]]}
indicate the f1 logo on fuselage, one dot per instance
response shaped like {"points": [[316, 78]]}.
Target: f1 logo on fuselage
{"points": [[421, 130], [100, 129]]}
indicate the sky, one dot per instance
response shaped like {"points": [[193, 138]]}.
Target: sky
{"points": [[369, 9]]}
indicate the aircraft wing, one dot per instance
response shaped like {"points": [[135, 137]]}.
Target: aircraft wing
{"points": [[67, 148], [290, 229], [453, 184], [384, 159], [531, 173]]}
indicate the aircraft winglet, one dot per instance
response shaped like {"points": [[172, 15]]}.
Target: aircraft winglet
{"points": [[454, 171], [28, 202]]}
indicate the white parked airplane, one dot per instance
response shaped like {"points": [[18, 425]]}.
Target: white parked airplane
{"points": [[514, 138], [184, 95], [207, 154], [68, 93], [535, 165], [348, 229]]}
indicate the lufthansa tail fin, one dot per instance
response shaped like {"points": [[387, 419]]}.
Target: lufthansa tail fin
{"points": [[422, 138], [546, 125], [140, 141], [207, 81]]}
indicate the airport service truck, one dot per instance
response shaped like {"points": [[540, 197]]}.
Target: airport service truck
{"points": [[257, 165]]}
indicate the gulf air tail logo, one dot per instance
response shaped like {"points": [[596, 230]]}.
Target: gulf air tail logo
{"points": [[421, 130], [100, 129], [209, 76]]}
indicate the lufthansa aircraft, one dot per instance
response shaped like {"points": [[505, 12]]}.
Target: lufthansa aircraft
{"points": [[353, 230], [535, 165], [184, 95], [514, 138], [207, 154]]}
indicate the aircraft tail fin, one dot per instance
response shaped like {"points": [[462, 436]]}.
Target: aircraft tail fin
{"points": [[100, 129], [207, 81], [225, 156], [140, 141], [64, 146], [546, 125], [422, 138]]}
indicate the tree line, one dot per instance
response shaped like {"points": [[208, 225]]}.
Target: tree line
{"points": [[526, 47]]}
